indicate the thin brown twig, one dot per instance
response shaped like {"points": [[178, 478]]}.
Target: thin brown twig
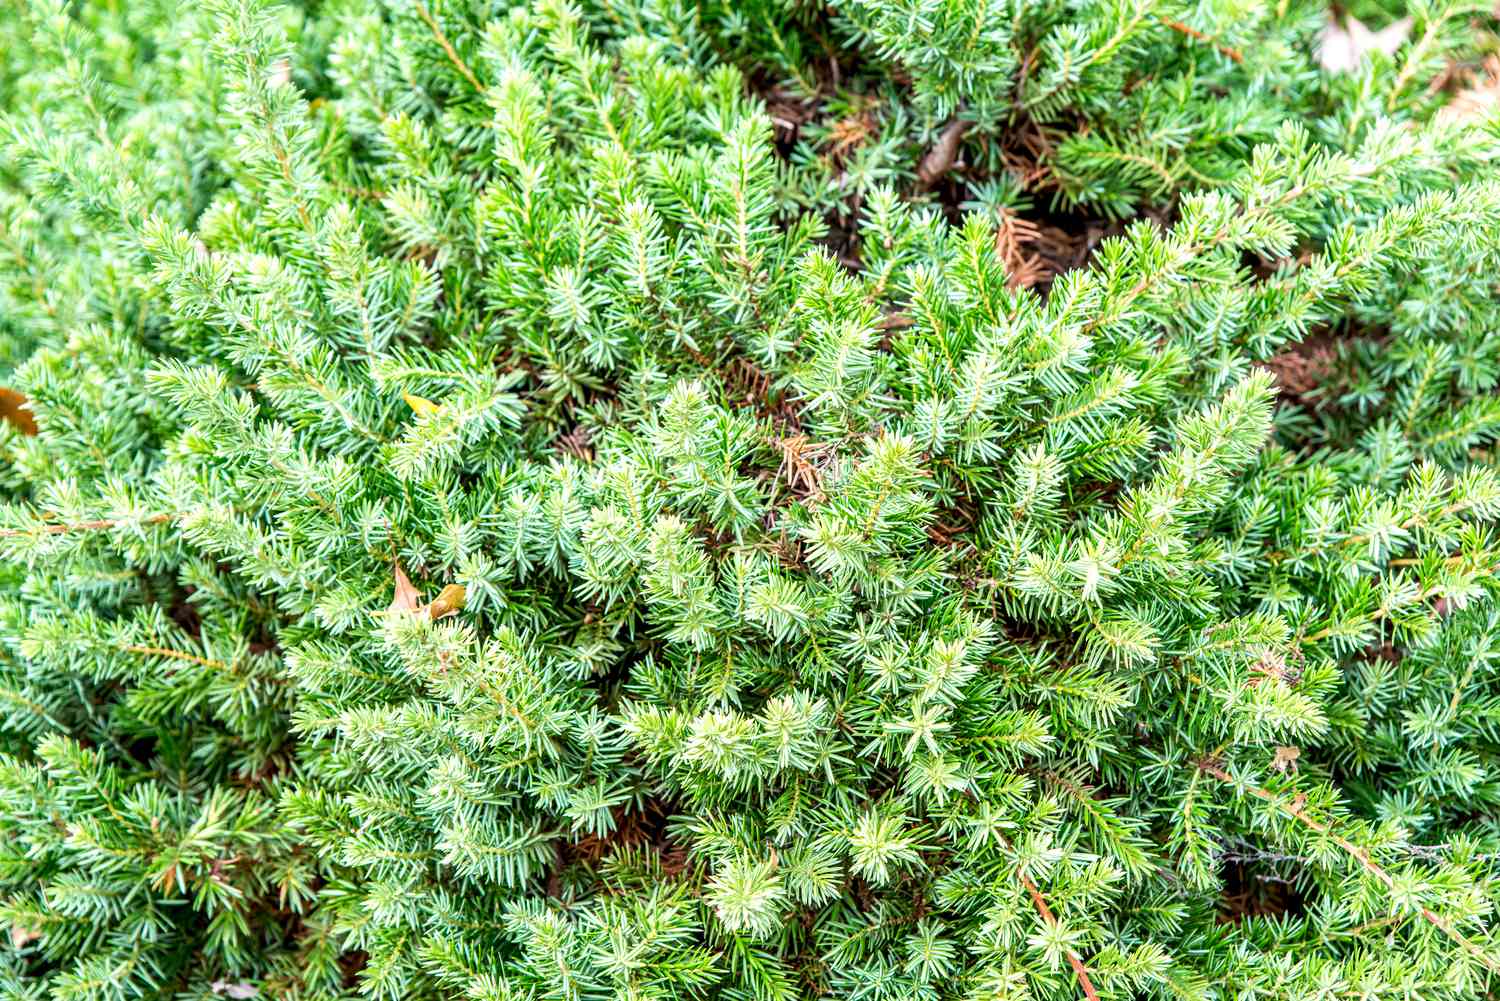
{"points": [[85, 526], [161, 651], [1361, 856], [1197, 35], [1079, 970], [442, 39], [1416, 520], [1384, 612]]}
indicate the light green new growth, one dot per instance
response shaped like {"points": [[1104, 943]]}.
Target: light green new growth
{"points": [[628, 500]]}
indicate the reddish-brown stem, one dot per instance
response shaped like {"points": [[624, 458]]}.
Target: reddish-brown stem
{"points": [[1079, 970], [87, 526], [1295, 811], [160, 651], [1199, 36], [452, 53]]}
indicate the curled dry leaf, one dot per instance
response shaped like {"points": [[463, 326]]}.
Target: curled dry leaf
{"points": [[939, 160], [1285, 759], [448, 602], [406, 598], [1343, 46]]}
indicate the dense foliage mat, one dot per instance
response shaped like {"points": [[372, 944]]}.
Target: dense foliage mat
{"points": [[879, 499]]}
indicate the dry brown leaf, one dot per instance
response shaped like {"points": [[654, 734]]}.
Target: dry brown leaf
{"points": [[940, 159], [1478, 99], [15, 408], [448, 602], [1342, 47], [406, 598], [1285, 759]]}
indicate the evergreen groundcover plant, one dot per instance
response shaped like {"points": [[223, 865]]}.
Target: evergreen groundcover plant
{"points": [[749, 500]]}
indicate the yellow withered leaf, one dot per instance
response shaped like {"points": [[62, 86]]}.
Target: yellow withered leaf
{"points": [[409, 600], [448, 602], [421, 407]]}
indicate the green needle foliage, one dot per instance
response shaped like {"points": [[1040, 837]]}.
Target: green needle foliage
{"points": [[519, 502]]}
